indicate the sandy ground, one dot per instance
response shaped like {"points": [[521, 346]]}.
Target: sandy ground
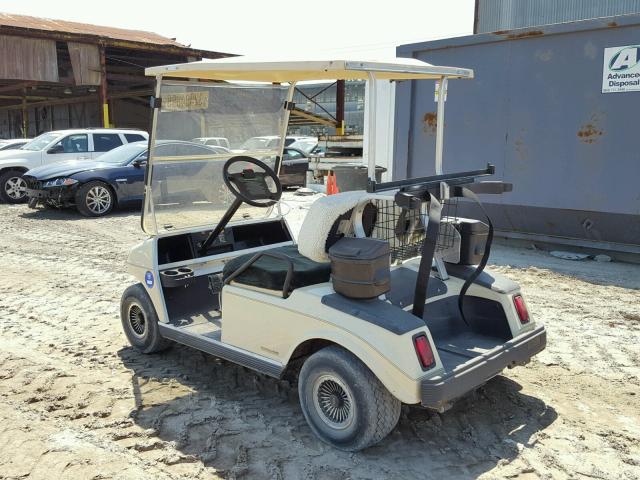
{"points": [[76, 402]]}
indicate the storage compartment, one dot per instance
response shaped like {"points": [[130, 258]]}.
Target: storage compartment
{"points": [[187, 246], [473, 240], [360, 267], [196, 303]]}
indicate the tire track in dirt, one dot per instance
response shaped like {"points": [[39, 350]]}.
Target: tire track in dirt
{"points": [[64, 362]]}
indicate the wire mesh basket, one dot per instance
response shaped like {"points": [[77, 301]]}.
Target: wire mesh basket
{"points": [[405, 229]]}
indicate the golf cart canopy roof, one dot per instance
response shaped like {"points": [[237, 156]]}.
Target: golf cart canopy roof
{"points": [[286, 71]]}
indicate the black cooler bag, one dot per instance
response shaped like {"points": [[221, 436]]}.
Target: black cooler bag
{"points": [[360, 267]]}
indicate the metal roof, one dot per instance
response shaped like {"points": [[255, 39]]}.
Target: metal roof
{"points": [[24, 25], [282, 71], [47, 24]]}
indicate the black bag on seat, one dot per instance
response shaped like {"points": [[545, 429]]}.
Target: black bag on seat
{"points": [[360, 267]]}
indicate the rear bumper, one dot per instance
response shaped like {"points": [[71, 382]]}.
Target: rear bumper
{"points": [[439, 391]]}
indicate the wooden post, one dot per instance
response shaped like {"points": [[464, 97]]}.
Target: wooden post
{"points": [[25, 115], [104, 99]]}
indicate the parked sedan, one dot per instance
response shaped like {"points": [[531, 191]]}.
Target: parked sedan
{"points": [[96, 187], [293, 172], [13, 143]]}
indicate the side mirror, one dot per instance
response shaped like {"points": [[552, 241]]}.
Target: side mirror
{"points": [[139, 163], [57, 148]]}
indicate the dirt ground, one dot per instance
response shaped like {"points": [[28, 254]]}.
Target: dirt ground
{"points": [[76, 402]]}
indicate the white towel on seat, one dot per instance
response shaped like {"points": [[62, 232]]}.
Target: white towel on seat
{"points": [[322, 215]]}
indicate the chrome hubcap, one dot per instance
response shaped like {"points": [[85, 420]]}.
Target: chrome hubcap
{"points": [[334, 402], [98, 199], [15, 188], [137, 320]]}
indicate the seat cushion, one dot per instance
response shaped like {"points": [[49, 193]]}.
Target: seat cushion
{"points": [[270, 273]]}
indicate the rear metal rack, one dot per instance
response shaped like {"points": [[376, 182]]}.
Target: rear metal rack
{"points": [[431, 183], [405, 228]]}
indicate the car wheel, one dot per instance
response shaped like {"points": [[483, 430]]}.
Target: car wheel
{"points": [[95, 199], [140, 321], [343, 402], [13, 188]]}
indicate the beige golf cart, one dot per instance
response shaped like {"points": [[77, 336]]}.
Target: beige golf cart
{"points": [[382, 300]]}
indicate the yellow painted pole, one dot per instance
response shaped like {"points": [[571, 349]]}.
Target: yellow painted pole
{"points": [[105, 115]]}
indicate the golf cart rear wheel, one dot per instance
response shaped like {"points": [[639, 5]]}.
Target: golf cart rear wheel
{"points": [[95, 199], [13, 188], [140, 321], [343, 402]]}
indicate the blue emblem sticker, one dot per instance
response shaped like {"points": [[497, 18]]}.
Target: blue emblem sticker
{"points": [[148, 279]]}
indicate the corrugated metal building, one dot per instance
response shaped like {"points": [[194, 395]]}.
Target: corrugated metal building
{"points": [[56, 74], [496, 15], [537, 110]]}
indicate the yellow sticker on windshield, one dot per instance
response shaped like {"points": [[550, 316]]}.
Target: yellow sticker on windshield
{"points": [[183, 102]]}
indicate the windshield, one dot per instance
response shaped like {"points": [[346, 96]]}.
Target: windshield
{"points": [[41, 142], [259, 143], [125, 153], [306, 145], [185, 187]]}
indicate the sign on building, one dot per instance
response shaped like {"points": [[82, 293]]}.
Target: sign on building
{"points": [[621, 69]]}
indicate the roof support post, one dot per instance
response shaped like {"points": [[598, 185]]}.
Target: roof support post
{"points": [[442, 91], [340, 107], [104, 100], [370, 134]]}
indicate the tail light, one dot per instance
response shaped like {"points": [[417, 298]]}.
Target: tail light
{"points": [[521, 308], [423, 349]]}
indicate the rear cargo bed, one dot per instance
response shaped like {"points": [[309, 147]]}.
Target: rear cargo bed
{"points": [[457, 342]]}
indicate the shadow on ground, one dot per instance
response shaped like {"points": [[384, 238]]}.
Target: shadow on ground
{"points": [[242, 423], [73, 214]]}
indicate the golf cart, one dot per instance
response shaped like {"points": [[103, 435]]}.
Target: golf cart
{"points": [[382, 300]]}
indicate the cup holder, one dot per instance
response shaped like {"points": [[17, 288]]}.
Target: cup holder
{"points": [[178, 277]]}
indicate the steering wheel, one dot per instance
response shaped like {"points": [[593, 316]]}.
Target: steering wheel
{"points": [[251, 186]]}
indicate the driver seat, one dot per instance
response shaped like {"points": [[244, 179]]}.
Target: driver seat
{"points": [[270, 273], [309, 258]]}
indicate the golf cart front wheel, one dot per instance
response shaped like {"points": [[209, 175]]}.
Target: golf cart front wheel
{"points": [[343, 402], [140, 321]]}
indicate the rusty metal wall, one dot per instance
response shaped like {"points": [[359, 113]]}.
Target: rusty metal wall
{"points": [[28, 59], [536, 111], [495, 15]]}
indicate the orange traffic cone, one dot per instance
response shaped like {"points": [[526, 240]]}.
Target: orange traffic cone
{"points": [[332, 184]]}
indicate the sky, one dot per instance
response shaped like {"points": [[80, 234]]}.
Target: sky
{"points": [[355, 28]]}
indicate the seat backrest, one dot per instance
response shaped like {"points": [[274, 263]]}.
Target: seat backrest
{"points": [[318, 224]]}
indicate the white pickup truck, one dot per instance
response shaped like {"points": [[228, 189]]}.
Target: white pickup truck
{"points": [[56, 146]]}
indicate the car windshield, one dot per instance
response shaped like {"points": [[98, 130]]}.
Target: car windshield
{"points": [[305, 145], [257, 143], [186, 183], [41, 142], [123, 154]]}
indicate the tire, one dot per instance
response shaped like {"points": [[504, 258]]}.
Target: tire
{"points": [[95, 199], [343, 402], [140, 321], [13, 188]]}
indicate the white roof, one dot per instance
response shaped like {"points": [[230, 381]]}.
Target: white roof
{"points": [[284, 71], [98, 130]]}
